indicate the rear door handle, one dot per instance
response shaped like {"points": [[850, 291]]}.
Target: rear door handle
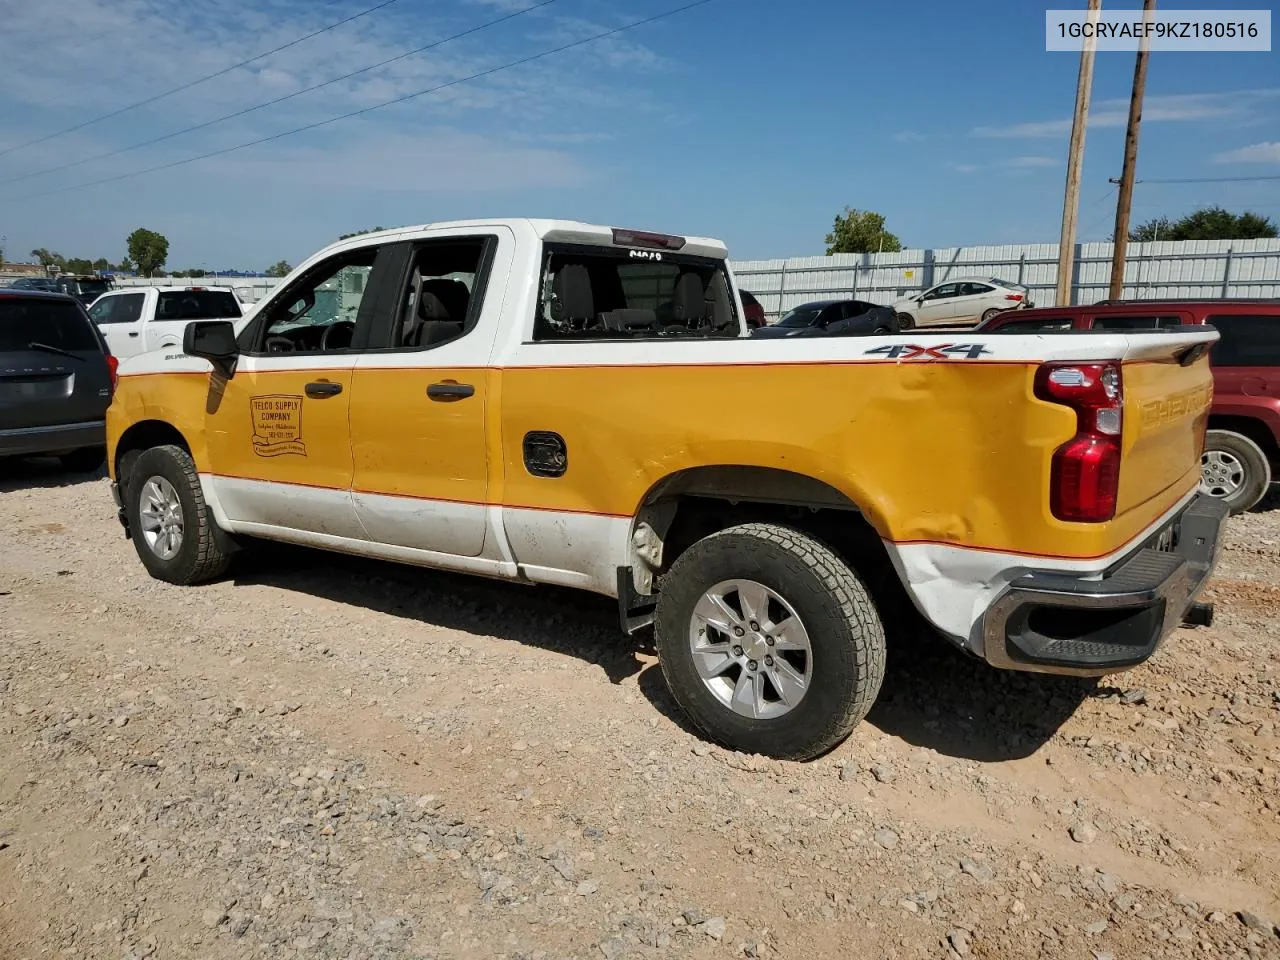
{"points": [[450, 391], [323, 389], [133, 333]]}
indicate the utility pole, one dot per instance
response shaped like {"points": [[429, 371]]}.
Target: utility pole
{"points": [[1075, 160], [1124, 201]]}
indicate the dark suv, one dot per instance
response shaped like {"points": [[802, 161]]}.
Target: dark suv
{"points": [[1242, 446], [56, 379]]}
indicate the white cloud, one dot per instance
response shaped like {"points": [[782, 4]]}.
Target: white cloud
{"points": [[1254, 153], [1240, 106]]}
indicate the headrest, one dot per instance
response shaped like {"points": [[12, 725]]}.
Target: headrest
{"points": [[431, 307], [572, 289], [689, 301], [452, 295]]}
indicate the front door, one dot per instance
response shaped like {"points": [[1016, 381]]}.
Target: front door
{"points": [[937, 305], [419, 399], [278, 430]]}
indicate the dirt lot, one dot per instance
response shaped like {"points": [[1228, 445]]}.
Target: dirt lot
{"points": [[321, 757]]}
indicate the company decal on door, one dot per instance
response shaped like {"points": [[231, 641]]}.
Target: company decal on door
{"points": [[277, 425]]}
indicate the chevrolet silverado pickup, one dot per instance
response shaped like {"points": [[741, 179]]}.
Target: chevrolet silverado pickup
{"points": [[551, 402]]}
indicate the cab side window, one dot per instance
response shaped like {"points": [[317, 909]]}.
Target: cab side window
{"points": [[317, 314], [121, 308], [443, 294]]}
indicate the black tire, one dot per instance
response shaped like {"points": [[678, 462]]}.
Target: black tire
{"points": [[1245, 491], [845, 635], [906, 321], [881, 332], [199, 557], [85, 460], [988, 314]]}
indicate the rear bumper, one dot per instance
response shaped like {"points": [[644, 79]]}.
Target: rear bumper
{"points": [[60, 438], [1058, 622]]}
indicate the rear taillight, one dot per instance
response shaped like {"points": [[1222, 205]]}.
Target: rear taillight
{"points": [[1016, 297], [1086, 469], [113, 367]]}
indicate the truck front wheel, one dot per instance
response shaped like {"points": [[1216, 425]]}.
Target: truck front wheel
{"points": [[173, 528], [769, 642], [1234, 469]]}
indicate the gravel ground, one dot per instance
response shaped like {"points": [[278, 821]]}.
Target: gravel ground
{"points": [[322, 757]]}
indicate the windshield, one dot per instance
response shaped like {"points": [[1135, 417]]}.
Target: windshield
{"points": [[799, 317], [93, 288], [51, 322], [197, 305], [608, 293]]}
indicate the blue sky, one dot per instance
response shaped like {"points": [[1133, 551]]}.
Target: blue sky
{"points": [[750, 120]]}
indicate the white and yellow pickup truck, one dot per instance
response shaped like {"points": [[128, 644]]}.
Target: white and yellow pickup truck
{"points": [[553, 402]]}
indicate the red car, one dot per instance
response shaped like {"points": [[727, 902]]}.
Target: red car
{"points": [[752, 310], [1242, 446]]}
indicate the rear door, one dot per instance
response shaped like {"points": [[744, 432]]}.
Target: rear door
{"points": [[971, 300], [53, 368], [1246, 366], [118, 317]]}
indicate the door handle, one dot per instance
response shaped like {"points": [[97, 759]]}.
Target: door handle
{"points": [[323, 389], [133, 333], [450, 391]]}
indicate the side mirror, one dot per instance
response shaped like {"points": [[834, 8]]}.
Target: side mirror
{"points": [[215, 341]]}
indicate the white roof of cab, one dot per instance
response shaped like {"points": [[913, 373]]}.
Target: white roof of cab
{"points": [[555, 231]]}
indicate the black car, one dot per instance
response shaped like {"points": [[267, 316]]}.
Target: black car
{"points": [[56, 379], [832, 318], [33, 283], [84, 289]]}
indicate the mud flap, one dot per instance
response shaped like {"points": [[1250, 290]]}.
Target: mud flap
{"points": [[635, 610]]}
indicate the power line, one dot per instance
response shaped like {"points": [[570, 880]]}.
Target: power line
{"points": [[194, 83], [386, 103], [1214, 179], [281, 99]]}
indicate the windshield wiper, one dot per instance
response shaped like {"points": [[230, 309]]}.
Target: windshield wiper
{"points": [[47, 348]]}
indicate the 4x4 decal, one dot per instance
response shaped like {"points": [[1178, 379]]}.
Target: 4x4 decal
{"points": [[943, 351]]}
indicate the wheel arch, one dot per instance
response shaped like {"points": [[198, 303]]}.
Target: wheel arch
{"points": [[140, 436], [1253, 428], [690, 504]]}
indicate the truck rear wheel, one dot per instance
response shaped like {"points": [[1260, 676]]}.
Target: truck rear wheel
{"points": [[769, 642], [1234, 469], [172, 527]]}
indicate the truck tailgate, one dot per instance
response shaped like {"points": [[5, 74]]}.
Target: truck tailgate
{"points": [[1168, 389]]}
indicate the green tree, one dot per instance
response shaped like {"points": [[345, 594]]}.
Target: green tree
{"points": [[101, 264], [281, 268], [1158, 228], [358, 233], [47, 258], [1209, 223], [148, 249], [79, 265], [125, 265], [861, 231]]}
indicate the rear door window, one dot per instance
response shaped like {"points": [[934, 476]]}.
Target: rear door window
{"points": [[1247, 341], [52, 323], [1137, 322], [197, 305]]}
